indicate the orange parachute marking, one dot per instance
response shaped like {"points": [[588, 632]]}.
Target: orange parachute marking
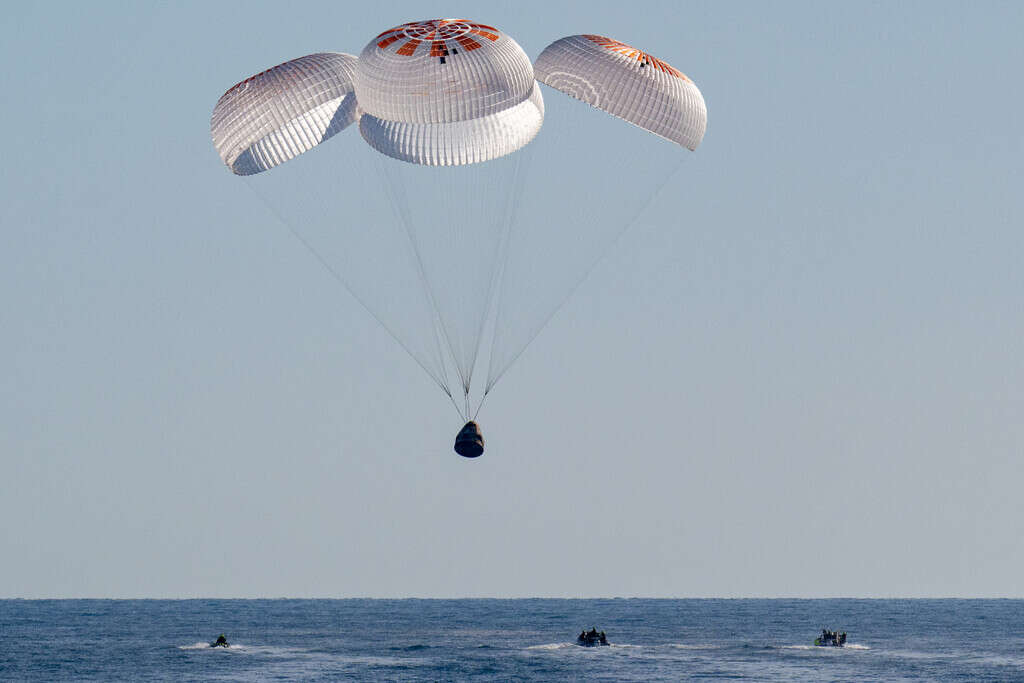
{"points": [[485, 34], [438, 32], [408, 49], [633, 53], [468, 43]]}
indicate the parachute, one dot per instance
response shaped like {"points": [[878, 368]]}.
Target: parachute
{"points": [[468, 238], [626, 83], [284, 111], [426, 102]]}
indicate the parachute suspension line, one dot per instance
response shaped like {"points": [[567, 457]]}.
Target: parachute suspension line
{"points": [[451, 195], [398, 201], [618, 237], [473, 190], [440, 359], [477, 210], [501, 256], [456, 404], [520, 181], [448, 393], [479, 406], [337, 276]]}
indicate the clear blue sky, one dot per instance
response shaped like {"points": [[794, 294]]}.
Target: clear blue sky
{"points": [[801, 374]]}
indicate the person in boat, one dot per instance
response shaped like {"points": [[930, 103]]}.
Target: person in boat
{"points": [[221, 641], [604, 641], [842, 638], [583, 636]]}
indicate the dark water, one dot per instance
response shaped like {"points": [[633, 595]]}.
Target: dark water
{"points": [[504, 640]]}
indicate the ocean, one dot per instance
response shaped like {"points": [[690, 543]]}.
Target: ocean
{"points": [[509, 640]]}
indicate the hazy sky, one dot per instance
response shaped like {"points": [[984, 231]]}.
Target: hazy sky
{"points": [[801, 374]]}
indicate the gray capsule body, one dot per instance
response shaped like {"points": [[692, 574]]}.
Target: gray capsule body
{"points": [[470, 441]]}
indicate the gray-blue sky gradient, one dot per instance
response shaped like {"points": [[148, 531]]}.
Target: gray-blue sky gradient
{"points": [[800, 375]]}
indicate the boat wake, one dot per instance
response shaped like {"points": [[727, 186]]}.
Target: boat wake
{"points": [[624, 646], [826, 648], [575, 646], [237, 648], [206, 646]]}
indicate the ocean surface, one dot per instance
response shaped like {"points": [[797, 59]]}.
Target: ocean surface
{"points": [[509, 640]]}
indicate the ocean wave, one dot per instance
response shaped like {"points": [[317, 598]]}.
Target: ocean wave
{"points": [[411, 648]]}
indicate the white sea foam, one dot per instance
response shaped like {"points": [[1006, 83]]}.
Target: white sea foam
{"points": [[622, 646], [574, 646], [206, 646], [551, 646], [239, 648], [826, 648], [1002, 660]]}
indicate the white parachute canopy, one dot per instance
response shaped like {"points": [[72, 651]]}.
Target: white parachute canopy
{"points": [[627, 83], [284, 111], [447, 92]]}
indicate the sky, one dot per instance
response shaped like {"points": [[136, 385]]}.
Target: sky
{"points": [[799, 373]]}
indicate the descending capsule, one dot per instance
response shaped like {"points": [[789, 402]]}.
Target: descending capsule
{"points": [[470, 441]]}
